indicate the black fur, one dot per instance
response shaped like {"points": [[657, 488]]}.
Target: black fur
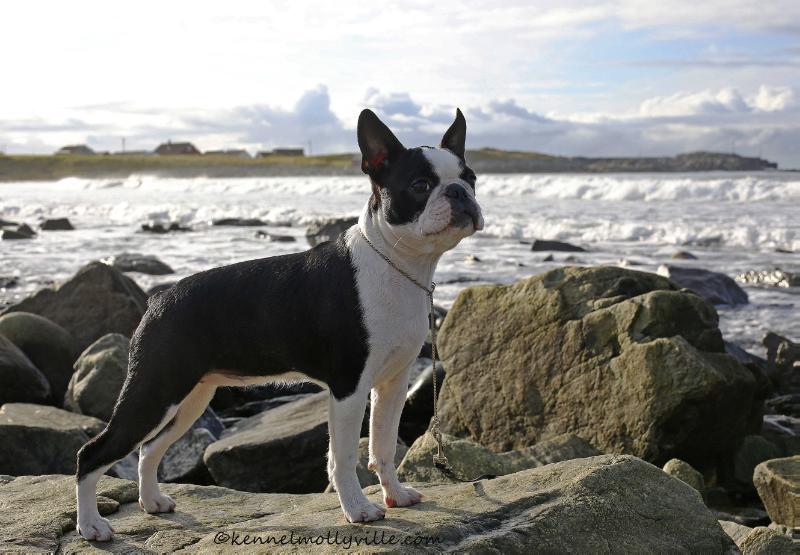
{"points": [[297, 312]]}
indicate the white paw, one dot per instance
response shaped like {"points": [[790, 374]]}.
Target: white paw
{"points": [[364, 511], [401, 496], [95, 528], [160, 503]]}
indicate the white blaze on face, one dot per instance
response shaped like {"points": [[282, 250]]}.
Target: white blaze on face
{"points": [[438, 213]]}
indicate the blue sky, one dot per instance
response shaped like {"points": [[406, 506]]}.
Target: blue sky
{"points": [[608, 78]]}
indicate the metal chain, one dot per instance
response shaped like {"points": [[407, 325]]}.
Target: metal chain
{"points": [[439, 459]]}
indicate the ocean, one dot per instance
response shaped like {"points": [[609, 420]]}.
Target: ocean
{"points": [[732, 222]]}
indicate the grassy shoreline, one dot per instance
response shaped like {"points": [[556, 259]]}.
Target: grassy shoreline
{"points": [[48, 168]]}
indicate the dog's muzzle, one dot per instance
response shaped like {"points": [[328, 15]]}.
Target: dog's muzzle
{"points": [[465, 210]]}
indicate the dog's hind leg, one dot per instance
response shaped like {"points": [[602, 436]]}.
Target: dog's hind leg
{"points": [[388, 399], [143, 408], [344, 425], [150, 453]]}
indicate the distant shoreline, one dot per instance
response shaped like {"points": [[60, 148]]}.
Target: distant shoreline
{"points": [[48, 168]]}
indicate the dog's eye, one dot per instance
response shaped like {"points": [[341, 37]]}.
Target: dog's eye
{"points": [[421, 186], [470, 178]]}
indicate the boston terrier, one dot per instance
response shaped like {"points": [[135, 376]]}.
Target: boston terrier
{"points": [[337, 314]]}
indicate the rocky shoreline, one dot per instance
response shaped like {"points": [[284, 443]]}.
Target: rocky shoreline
{"points": [[606, 400]]}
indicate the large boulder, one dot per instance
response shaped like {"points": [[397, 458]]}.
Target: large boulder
{"points": [[95, 301], [51, 348], [778, 485], [56, 224], [617, 357], [470, 460], [37, 439], [99, 374], [20, 380], [280, 450], [597, 505], [684, 472], [328, 229], [715, 287]]}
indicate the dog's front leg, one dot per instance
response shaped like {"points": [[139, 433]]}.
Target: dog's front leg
{"points": [[344, 425], [388, 399]]}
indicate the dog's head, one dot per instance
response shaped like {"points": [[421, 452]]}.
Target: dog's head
{"points": [[425, 195]]}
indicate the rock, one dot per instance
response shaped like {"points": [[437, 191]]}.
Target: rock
{"points": [[96, 301], [764, 372], [632, 508], [51, 348], [763, 540], [157, 227], [548, 258], [42, 440], [754, 450], [99, 374], [778, 485], [183, 461], [418, 410], [328, 229], [617, 357], [788, 405], [781, 351], [470, 460], [683, 255], [274, 237], [8, 223], [7, 282], [588, 506], [746, 516], [684, 472], [280, 450], [56, 224], [232, 397], [712, 241], [253, 408], [770, 278], [11, 234], [20, 380], [543, 245], [715, 287], [135, 262], [367, 477], [239, 222]]}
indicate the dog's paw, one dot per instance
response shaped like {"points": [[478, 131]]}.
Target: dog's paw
{"points": [[364, 512], [95, 529], [401, 497], [161, 503]]}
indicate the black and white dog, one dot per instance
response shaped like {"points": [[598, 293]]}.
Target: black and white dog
{"points": [[338, 314]]}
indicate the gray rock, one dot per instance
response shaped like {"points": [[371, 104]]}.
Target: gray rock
{"points": [[778, 485], [754, 450], [56, 224], [602, 504], [20, 380], [470, 460], [11, 235], [367, 477], [96, 301], [274, 237], [163, 227], [135, 262], [785, 355], [760, 540], [280, 450], [419, 404], [617, 357], [683, 255], [560, 246], [714, 287], [183, 461], [328, 229], [239, 222], [99, 374], [38, 439], [7, 282], [683, 471], [736, 531], [51, 348]]}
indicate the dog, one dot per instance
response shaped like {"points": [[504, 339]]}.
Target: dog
{"points": [[338, 314]]}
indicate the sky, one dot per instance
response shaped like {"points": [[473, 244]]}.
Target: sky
{"points": [[603, 78]]}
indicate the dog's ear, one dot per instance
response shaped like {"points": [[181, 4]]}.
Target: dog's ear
{"points": [[455, 137], [379, 147]]}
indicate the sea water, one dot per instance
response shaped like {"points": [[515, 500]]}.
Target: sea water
{"points": [[733, 222]]}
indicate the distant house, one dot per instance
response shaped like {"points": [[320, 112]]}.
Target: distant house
{"points": [[134, 153], [75, 149], [236, 152], [282, 152], [170, 149]]}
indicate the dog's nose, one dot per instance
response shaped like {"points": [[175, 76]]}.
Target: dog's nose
{"points": [[455, 191]]}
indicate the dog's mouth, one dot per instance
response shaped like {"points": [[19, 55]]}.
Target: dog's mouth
{"points": [[467, 216]]}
